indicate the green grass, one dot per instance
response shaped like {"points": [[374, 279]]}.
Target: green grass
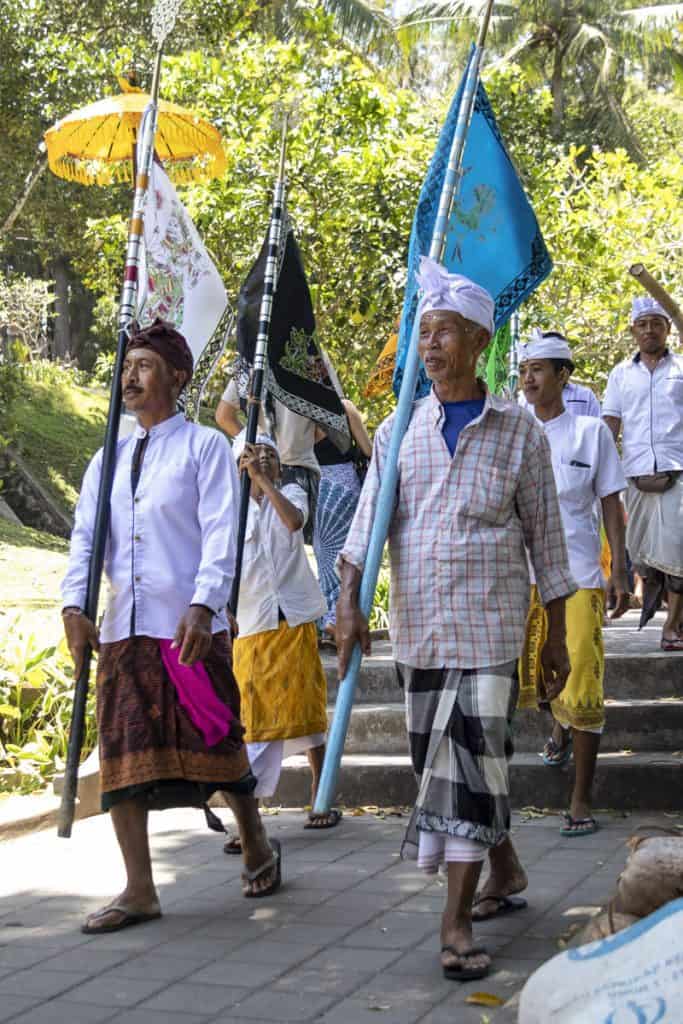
{"points": [[31, 568], [56, 427]]}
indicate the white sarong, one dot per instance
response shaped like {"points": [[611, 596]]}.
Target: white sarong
{"points": [[654, 534]]}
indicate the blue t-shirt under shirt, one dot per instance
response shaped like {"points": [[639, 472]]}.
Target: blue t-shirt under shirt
{"points": [[456, 416]]}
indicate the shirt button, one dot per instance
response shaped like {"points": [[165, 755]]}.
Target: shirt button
{"points": [[136, 537], [137, 579], [137, 501]]}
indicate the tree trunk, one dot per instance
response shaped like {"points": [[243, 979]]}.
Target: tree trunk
{"points": [[557, 90], [61, 337]]}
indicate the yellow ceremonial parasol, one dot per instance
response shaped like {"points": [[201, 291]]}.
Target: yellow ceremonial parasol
{"points": [[379, 382], [95, 145]]}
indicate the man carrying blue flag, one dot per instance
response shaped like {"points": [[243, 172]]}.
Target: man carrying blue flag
{"points": [[475, 488]]}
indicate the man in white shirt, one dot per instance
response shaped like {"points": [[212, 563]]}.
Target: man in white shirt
{"points": [[587, 469], [167, 701], [277, 663], [644, 402], [294, 435], [578, 399]]}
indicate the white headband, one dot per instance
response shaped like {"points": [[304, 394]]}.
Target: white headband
{"points": [[645, 305], [442, 290], [538, 347], [240, 441]]}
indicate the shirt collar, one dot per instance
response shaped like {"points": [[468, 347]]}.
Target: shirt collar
{"points": [[491, 401], [163, 429], [636, 358]]}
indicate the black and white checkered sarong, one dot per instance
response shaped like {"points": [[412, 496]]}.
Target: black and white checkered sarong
{"points": [[460, 744]]}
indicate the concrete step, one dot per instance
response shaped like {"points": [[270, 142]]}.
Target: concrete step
{"points": [[635, 667], [648, 780], [631, 725]]}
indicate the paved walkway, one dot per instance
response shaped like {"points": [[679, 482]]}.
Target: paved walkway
{"points": [[351, 938]]}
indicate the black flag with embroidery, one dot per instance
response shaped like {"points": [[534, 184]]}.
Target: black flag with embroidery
{"points": [[295, 372]]}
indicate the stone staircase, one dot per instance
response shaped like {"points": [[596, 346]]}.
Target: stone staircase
{"points": [[640, 763]]}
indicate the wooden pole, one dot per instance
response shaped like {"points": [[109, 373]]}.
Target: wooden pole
{"points": [[660, 294]]}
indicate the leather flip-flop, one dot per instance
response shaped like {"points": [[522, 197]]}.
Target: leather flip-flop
{"points": [[454, 973], [504, 905], [334, 817], [129, 918], [274, 861]]}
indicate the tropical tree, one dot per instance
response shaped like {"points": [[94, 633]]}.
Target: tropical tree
{"points": [[587, 51]]}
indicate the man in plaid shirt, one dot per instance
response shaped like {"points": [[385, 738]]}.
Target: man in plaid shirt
{"points": [[476, 489]]}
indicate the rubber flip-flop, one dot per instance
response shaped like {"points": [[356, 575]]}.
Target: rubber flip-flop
{"points": [[275, 861], [129, 918], [578, 827], [555, 756], [671, 645], [454, 973], [504, 905], [333, 818], [233, 846]]}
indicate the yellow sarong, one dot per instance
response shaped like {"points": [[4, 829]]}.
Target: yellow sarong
{"points": [[282, 683], [581, 703]]}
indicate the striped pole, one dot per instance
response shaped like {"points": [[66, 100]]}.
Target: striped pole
{"points": [[126, 313], [404, 407], [255, 398]]}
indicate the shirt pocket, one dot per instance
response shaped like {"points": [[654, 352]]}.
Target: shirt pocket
{"points": [[574, 485], [488, 494]]}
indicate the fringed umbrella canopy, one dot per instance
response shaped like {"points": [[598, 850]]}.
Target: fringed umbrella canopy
{"points": [[379, 382], [94, 145]]}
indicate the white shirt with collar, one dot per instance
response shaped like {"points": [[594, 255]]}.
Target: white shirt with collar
{"points": [[578, 400], [275, 570], [171, 545], [650, 407], [586, 467]]}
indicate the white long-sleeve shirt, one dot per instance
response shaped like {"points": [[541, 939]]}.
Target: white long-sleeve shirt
{"points": [[171, 545], [275, 572]]}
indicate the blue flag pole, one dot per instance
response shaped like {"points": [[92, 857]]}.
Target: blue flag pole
{"points": [[404, 408]]}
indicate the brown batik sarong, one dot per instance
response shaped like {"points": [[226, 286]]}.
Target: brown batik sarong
{"points": [[149, 748]]}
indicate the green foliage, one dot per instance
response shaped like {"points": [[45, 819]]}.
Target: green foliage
{"points": [[36, 700], [57, 426], [379, 617]]}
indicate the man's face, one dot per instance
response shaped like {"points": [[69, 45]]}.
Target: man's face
{"points": [[149, 384], [449, 345], [268, 461], [651, 333], [541, 382]]}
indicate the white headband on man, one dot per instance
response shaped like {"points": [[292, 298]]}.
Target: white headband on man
{"points": [[442, 290], [240, 441], [540, 346], [645, 305]]}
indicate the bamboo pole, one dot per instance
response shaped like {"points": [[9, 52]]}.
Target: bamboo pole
{"points": [[659, 293], [404, 407]]}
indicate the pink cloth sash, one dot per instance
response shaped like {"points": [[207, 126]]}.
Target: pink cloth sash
{"points": [[197, 696]]}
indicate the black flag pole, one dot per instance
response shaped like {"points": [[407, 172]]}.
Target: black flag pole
{"points": [[163, 20], [256, 385]]}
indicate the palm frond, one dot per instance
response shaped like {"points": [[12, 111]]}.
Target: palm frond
{"points": [[365, 27], [653, 16], [589, 38]]}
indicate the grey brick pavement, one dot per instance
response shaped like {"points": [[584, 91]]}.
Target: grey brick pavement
{"points": [[351, 938]]}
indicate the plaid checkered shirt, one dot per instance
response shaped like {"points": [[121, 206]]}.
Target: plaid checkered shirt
{"points": [[459, 576]]}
